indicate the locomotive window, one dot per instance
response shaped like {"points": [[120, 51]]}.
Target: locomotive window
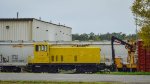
{"points": [[46, 48], [56, 58], [61, 58], [42, 48], [39, 48], [52, 58], [75, 58], [36, 48]]}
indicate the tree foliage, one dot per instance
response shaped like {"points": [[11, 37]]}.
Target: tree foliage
{"points": [[141, 9], [101, 37], [145, 34]]}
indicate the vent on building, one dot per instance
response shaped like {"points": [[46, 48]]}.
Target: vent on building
{"points": [[7, 27]]}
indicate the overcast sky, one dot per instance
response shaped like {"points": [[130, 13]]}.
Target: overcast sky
{"points": [[84, 16]]}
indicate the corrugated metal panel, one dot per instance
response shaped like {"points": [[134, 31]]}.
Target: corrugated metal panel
{"points": [[15, 30], [63, 33], [51, 32], [21, 51], [43, 31], [33, 29], [143, 58]]}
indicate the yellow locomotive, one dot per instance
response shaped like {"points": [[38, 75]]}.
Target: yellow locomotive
{"points": [[49, 58]]}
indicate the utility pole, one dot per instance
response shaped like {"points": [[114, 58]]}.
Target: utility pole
{"points": [[136, 50], [17, 15], [136, 28]]}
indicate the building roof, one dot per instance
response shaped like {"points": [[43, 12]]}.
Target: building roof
{"points": [[16, 19], [29, 19]]}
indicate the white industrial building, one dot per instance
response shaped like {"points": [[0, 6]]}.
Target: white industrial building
{"points": [[31, 29]]}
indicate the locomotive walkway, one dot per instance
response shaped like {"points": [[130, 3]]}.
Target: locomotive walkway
{"points": [[137, 79]]}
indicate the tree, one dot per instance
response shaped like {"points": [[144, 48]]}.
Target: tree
{"points": [[141, 9], [84, 37], [102, 37], [75, 37], [97, 37], [145, 34], [92, 36]]}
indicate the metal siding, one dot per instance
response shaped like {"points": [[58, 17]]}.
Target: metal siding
{"points": [[53, 33], [22, 52], [64, 35], [26, 30], [143, 58], [57, 31], [18, 30], [40, 34], [80, 52]]}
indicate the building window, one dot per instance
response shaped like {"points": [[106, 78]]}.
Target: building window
{"points": [[37, 27], [46, 30]]}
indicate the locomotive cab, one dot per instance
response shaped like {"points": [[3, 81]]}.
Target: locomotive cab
{"points": [[41, 53]]}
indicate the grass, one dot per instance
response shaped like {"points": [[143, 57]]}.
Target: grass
{"points": [[127, 73], [49, 82], [111, 73]]}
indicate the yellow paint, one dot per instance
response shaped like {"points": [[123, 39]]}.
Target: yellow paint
{"points": [[131, 56], [131, 66], [69, 54], [118, 62], [40, 56]]}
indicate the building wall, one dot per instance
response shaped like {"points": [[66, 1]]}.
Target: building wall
{"points": [[51, 32], [63, 33], [15, 30], [33, 29], [42, 31]]}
